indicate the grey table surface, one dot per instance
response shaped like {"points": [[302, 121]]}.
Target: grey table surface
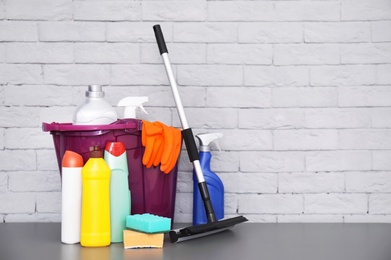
{"points": [[41, 241]]}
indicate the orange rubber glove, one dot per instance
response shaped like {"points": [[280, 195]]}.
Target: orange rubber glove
{"points": [[162, 145]]}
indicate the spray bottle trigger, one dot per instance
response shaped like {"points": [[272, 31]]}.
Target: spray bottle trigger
{"points": [[143, 109]]}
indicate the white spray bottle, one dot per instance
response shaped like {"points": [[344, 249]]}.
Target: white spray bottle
{"points": [[131, 104]]}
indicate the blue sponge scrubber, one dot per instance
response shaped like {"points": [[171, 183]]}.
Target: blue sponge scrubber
{"points": [[148, 223]]}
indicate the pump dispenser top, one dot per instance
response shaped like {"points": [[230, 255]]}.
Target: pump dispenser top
{"points": [[131, 104], [206, 139]]}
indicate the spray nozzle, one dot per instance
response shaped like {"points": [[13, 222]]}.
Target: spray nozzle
{"points": [[131, 104], [206, 139]]}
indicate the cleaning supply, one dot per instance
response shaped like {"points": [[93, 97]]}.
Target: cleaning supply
{"points": [[72, 164], [162, 145], [148, 223], [214, 183], [213, 225], [116, 159], [131, 104], [95, 110], [95, 214], [135, 239]]}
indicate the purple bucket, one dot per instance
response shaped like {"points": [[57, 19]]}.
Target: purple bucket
{"points": [[152, 191]]}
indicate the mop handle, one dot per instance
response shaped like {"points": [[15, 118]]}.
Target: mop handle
{"points": [[187, 133]]}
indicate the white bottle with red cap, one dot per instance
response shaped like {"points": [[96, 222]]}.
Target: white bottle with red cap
{"points": [[72, 164], [116, 159]]}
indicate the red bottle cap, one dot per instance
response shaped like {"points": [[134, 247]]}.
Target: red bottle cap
{"points": [[72, 159], [115, 148]]}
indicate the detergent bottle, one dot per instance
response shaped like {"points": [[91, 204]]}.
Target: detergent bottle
{"points": [[131, 104], [115, 157], [214, 183], [72, 164], [95, 110], [95, 212]]}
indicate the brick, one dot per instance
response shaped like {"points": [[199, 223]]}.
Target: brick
{"points": [[364, 10], [20, 74], [368, 96], [277, 32], [39, 10], [271, 161], [381, 160], [24, 181], [305, 139], [310, 182], [250, 182], [383, 74], [137, 32], [310, 218], [210, 75], [2, 52], [379, 203], [183, 203], [2, 138], [381, 117], [305, 97], [66, 31], [373, 182], [366, 53], [138, 74], [365, 139], [211, 118], [106, 11], [343, 75], [39, 52], [77, 74], [307, 11], [283, 76], [306, 54], [338, 161], [46, 160], [17, 203], [180, 53], [337, 118], [14, 160], [380, 32], [240, 11], [271, 118], [367, 218], [271, 204], [238, 97], [48, 202], [3, 182], [26, 138], [19, 117], [107, 53], [239, 54], [174, 11], [33, 218], [335, 203], [56, 114], [242, 140], [205, 32], [337, 32], [27, 95]]}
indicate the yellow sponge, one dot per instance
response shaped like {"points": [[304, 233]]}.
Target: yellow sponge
{"points": [[135, 239]]}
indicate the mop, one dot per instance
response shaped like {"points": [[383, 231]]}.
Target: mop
{"points": [[213, 225]]}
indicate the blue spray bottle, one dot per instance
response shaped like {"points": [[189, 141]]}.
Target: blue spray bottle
{"points": [[215, 185]]}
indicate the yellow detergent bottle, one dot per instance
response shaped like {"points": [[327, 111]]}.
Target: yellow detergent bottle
{"points": [[95, 212]]}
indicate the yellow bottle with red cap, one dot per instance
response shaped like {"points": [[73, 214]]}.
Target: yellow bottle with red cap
{"points": [[95, 213]]}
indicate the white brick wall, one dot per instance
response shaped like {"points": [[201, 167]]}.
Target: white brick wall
{"points": [[301, 90]]}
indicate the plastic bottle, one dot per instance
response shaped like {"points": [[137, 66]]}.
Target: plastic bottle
{"points": [[95, 216], [214, 183], [95, 110], [72, 164], [131, 104], [115, 157]]}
